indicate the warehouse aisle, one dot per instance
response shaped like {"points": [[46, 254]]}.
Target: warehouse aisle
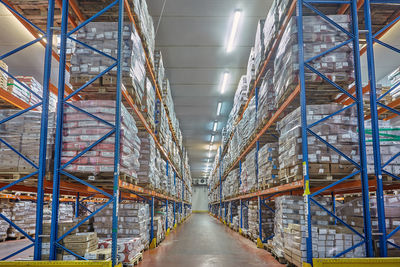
{"points": [[204, 241]]}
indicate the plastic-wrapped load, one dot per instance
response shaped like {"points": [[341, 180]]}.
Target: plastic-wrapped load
{"points": [[339, 130], [159, 67], [266, 100], [23, 134], [319, 36], [3, 75], [149, 102], [133, 221], [87, 63], [267, 218], [128, 247], [147, 159], [23, 214], [259, 46], [146, 25], [271, 27], [81, 130], [248, 175], [268, 164], [5, 209], [389, 145], [231, 184]]}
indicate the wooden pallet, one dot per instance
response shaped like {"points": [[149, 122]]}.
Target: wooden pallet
{"points": [[135, 261]]}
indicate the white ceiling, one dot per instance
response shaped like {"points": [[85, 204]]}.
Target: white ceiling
{"points": [[192, 37]]}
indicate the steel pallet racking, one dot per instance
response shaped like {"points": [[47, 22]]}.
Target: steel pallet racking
{"points": [[350, 98], [82, 190]]}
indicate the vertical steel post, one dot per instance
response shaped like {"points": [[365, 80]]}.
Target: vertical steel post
{"points": [[117, 146], [240, 173], [59, 130], [77, 205], [375, 132], [151, 220], [334, 205], [231, 211], [361, 132], [43, 131], [260, 218], [241, 214], [256, 159], [166, 217], [303, 107], [174, 213]]}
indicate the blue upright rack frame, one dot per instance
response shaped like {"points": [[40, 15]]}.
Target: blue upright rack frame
{"points": [[306, 129], [59, 169], [375, 103], [40, 172]]}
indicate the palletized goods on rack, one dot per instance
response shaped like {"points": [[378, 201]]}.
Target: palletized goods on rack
{"points": [[147, 173], [248, 175], [87, 63], [268, 165], [267, 217], [128, 247], [3, 75], [340, 131], [133, 221], [23, 134], [81, 130], [319, 36]]}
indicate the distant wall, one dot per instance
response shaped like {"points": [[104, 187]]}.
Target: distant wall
{"points": [[200, 198]]}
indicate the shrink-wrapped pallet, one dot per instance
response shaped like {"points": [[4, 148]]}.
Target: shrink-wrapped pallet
{"points": [[81, 130]]}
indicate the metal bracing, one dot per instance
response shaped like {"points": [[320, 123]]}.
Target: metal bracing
{"points": [[59, 169], [375, 103], [306, 128], [40, 166]]}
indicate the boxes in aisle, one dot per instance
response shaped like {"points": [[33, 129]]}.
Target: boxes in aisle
{"points": [[127, 247]]}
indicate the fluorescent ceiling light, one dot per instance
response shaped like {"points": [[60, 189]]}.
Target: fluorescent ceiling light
{"points": [[215, 126], [224, 82], [219, 108], [234, 29], [212, 138]]}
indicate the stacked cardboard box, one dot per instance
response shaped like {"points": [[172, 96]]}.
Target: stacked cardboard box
{"points": [[267, 223], [81, 130], [394, 79], [268, 164], [147, 173], [133, 221], [340, 131], [389, 145], [149, 102], [248, 175], [23, 214], [146, 25], [159, 67], [23, 134], [247, 124], [86, 63], [80, 244], [63, 227], [245, 217], [5, 211], [271, 26], [352, 213], [231, 184], [266, 100], [128, 248], [319, 36], [3, 75], [259, 46]]}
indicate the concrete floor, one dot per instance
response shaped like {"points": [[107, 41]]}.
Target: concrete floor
{"points": [[202, 241]]}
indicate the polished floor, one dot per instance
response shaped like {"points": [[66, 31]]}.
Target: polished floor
{"points": [[203, 241]]}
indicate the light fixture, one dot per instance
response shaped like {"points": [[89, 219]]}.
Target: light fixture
{"points": [[235, 25], [219, 108], [215, 126], [212, 138], [224, 82], [210, 147]]}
